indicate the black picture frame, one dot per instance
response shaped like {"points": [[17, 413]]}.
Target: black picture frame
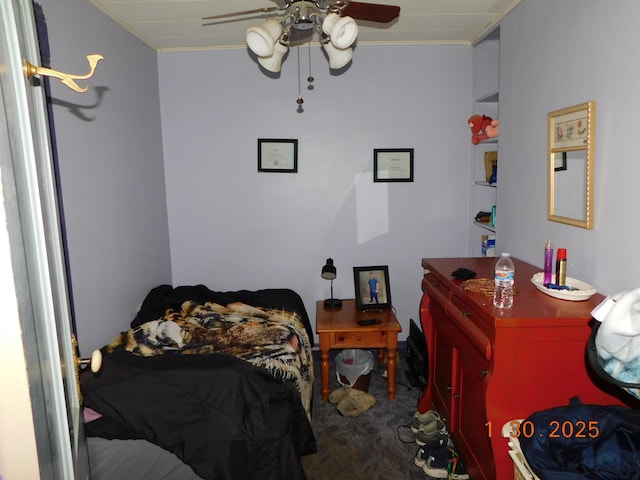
{"points": [[393, 165], [364, 299], [278, 155], [560, 163]]}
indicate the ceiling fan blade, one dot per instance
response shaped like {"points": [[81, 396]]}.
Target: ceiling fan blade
{"points": [[371, 12], [246, 12]]}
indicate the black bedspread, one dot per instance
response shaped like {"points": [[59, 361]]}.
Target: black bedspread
{"points": [[223, 416]]}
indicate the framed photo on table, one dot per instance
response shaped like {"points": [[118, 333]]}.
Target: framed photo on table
{"points": [[393, 165], [372, 287], [278, 155]]}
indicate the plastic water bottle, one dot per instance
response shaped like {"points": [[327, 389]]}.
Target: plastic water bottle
{"points": [[504, 278]]}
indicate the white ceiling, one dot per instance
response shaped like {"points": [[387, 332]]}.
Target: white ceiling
{"points": [[177, 25]]}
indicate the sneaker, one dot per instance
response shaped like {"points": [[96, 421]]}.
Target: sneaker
{"points": [[423, 453], [445, 463], [420, 418], [429, 431]]}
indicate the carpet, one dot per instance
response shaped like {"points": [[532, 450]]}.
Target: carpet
{"points": [[376, 445]]}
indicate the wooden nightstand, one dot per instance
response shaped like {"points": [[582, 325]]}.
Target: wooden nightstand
{"points": [[338, 328]]}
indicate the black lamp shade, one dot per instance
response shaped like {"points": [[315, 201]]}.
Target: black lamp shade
{"points": [[329, 270], [329, 273]]}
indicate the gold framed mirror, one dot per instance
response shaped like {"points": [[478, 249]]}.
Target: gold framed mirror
{"points": [[570, 164]]}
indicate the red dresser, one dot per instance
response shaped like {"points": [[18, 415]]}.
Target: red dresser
{"points": [[488, 366]]}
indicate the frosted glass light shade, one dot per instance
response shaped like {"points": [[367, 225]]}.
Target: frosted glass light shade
{"points": [[261, 39], [329, 22], [344, 32], [273, 63], [338, 57]]}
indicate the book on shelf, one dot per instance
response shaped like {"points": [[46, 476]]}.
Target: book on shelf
{"points": [[489, 245]]}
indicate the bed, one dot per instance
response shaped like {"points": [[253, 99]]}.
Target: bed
{"points": [[219, 382]]}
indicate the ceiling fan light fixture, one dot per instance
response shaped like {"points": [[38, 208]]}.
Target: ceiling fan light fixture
{"points": [[338, 57], [261, 40], [344, 32], [333, 20], [273, 63]]}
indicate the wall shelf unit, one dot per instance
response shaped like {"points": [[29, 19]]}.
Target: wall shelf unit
{"points": [[489, 97], [486, 58], [485, 225], [485, 184]]}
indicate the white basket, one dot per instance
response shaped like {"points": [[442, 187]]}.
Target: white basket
{"points": [[521, 469]]}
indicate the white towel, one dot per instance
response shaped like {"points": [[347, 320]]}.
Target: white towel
{"points": [[618, 338]]}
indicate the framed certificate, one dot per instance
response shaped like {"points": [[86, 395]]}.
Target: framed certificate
{"points": [[277, 155], [393, 165]]}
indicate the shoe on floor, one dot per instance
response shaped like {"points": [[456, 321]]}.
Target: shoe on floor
{"points": [[337, 395], [429, 431], [424, 452], [445, 463], [355, 403], [420, 418]]}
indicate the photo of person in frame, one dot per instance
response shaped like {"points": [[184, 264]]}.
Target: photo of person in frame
{"points": [[372, 287]]}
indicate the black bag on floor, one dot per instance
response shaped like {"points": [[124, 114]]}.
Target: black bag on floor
{"points": [[578, 442]]}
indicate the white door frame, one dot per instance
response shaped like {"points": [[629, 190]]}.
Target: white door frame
{"points": [[41, 433]]}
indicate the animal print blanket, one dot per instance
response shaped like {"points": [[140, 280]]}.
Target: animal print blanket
{"points": [[271, 338]]}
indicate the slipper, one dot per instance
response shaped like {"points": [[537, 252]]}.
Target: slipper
{"points": [[340, 394], [356, 403]]}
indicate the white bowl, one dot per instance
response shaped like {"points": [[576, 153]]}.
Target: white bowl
{"points": [[584, 290]]}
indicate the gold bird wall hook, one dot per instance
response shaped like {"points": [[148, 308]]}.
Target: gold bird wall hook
{"points": [[66, 79]]}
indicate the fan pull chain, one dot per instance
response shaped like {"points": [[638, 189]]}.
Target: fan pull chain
{"points": [[310, 78], [300, 100]]}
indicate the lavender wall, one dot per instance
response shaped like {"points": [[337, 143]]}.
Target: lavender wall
{"points": [[554, 55], [232, 227], [111, 166]]}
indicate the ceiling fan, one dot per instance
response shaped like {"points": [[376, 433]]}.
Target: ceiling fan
{"points": [[334, 20]]}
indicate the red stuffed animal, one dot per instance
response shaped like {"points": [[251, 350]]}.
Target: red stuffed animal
{"points": [[478, 125]]}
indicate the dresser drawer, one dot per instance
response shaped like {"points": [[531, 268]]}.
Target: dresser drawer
{"points": [[364, 339]]}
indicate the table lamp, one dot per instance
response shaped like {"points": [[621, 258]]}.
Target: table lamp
{"points": [[329, 273]]}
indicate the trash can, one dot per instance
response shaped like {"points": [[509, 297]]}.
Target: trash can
{"points": [[353, 368]]}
